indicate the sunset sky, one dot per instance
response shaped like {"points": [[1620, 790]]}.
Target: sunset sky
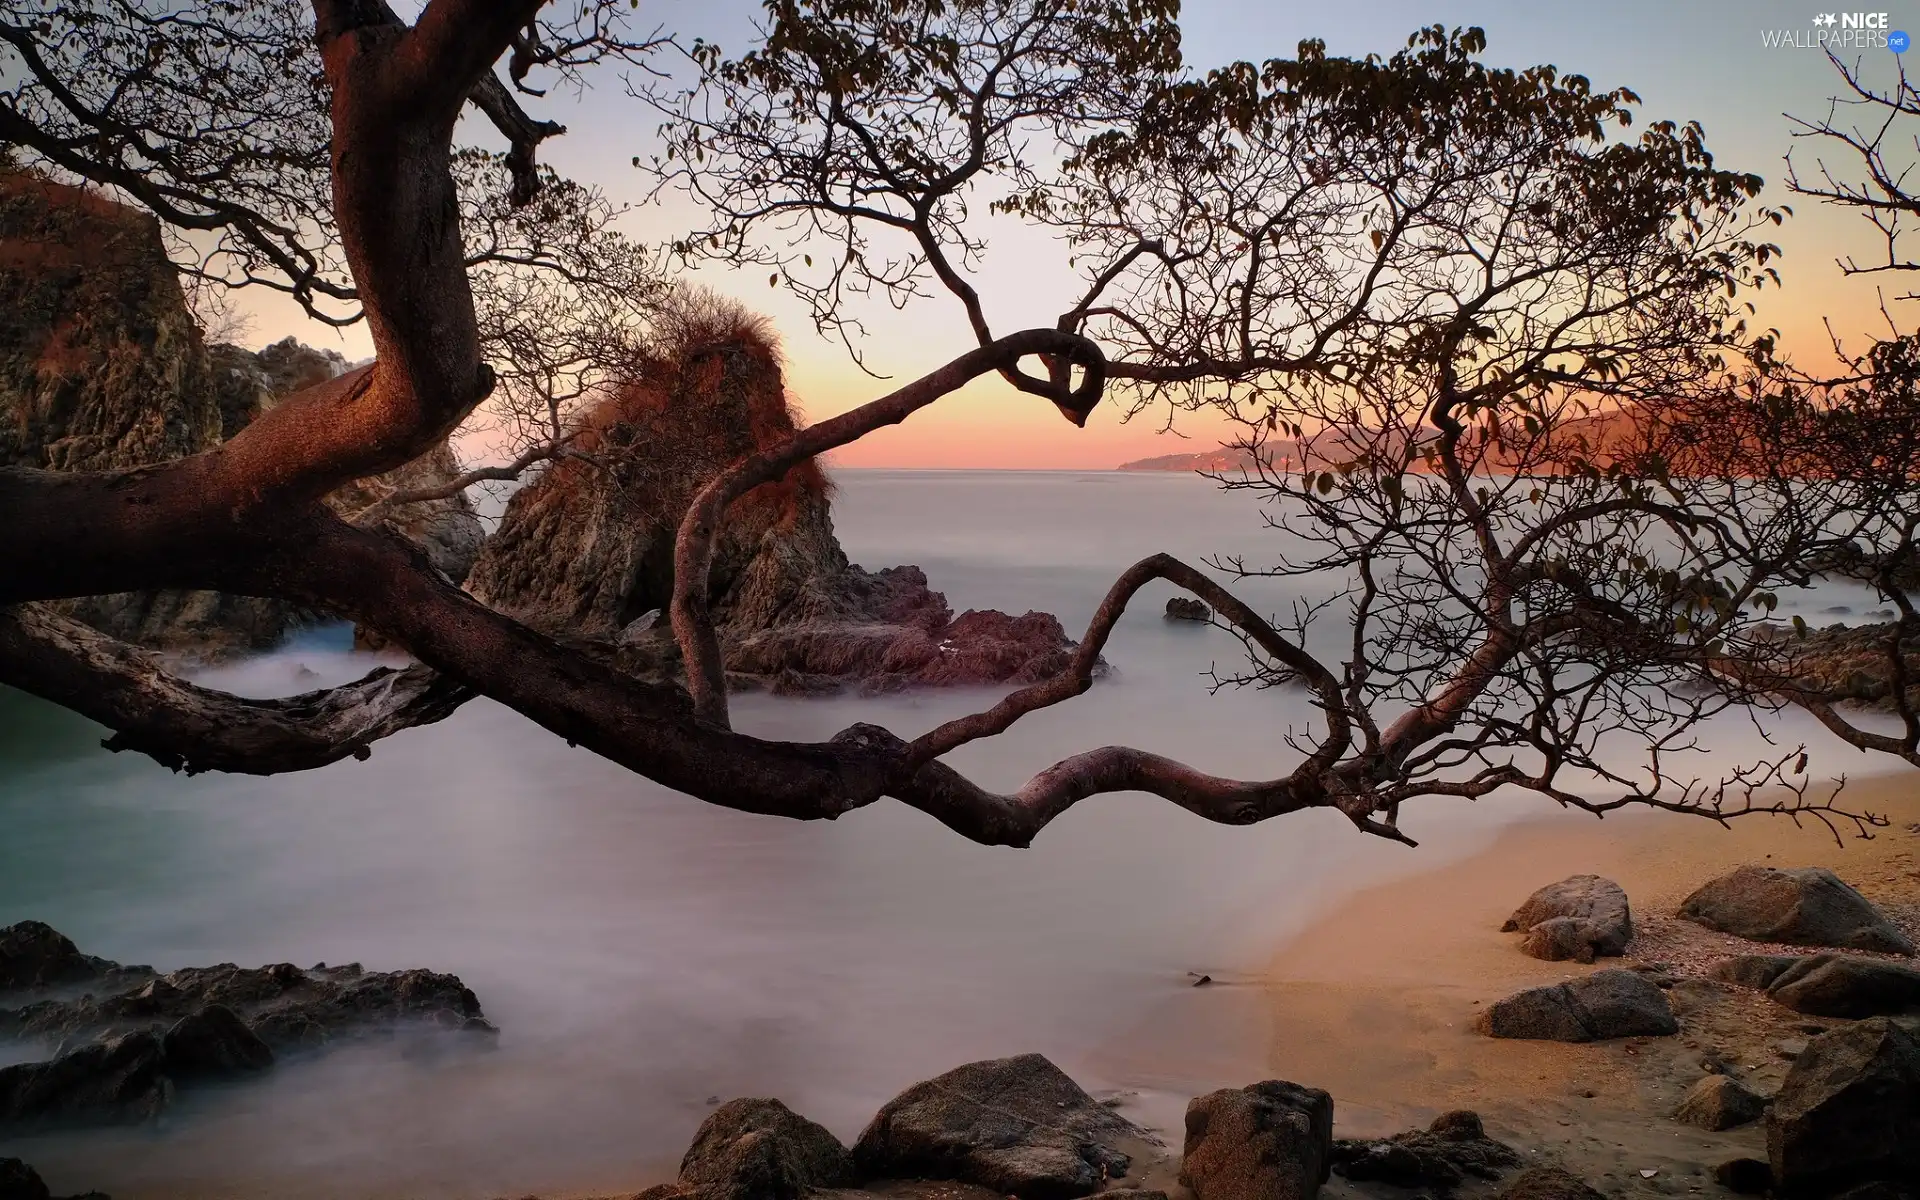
{"points": [[1702, 59]]}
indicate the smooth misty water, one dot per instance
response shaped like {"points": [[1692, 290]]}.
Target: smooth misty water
{"points": [[642, 952]]}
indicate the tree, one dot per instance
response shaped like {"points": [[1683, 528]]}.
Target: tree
{"points": [[1410, 271]]}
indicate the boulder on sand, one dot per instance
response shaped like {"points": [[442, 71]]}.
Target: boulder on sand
{"points": [[1803, 906], [1549, 1183], [751, 1149], [1717, 1103], [1605, 1004], [1581, 918], [1848, 1112], [1018, 1126], [1269, 1141], [1826, 985]]}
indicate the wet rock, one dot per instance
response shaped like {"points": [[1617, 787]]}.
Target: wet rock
{"points": [[1744, 1176], [1549, 1183], [116, 1080], [1803, 906], [761, 1150], [1581, 918], [1270, 1141], [1719, 1102], [1018, 1126], [1440, 1156], [1605, 1004], [1186, 608], [1827, 985], [213, 1043], [1848, 1112]]}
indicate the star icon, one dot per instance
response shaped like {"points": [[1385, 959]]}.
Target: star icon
{"points": [[1825, 19]]}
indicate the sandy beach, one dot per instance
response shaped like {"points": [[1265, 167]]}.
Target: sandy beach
{"points": [[1376, 1000]]}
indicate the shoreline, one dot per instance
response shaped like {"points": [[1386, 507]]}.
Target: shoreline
{"points": [[1375, 999]]}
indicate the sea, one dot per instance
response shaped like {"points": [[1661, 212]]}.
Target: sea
{"points": [[646, 955]]}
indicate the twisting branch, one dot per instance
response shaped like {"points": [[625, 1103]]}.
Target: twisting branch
{"points": [[193, 729], [693, 544]]}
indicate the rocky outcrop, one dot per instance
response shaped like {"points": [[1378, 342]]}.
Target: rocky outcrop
{"points": [[123, 1047], [1270, 1141], [1440, 1157], [1718, 1102], [1185, 608], [1849, 1112], [1596, 1007], [1826, 985], [1804, 906], [36, 956], [1848, 664], [1580, 918], [1018, 1126], [102, 367], [585, 550]]}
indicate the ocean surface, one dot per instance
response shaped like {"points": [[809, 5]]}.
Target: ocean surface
{"points": [[645, 954]]}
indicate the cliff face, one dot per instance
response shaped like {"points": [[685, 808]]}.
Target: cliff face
{"points": [[102, 367], [585, 551]]}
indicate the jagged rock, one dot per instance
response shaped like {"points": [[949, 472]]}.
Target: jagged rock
{"points": [[1016, 1125], [761, 1150], [1804, 906], [585, 549], [1549, 1183], [1848, 1112], [1186, 608], [1270, 1141], [1719, 1102], [1580, 918], [1826, 985], [1440, 1156], [119, 1079], [33, 954], [1605, 1004], [1744, 1176], [213, 1043]]}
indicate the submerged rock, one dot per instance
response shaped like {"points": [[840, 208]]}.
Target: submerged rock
{"points": [[1826, 985], [1441, 1156], [1805, 906], [1848, 1112], [1605, 1004], [121, 1052], [585, 550], [1580, 918], [1186, 608], [1018, 1126], [1270, 1141]]}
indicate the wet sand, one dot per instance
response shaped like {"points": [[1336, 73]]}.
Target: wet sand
{"points": [[1375, 1001]]}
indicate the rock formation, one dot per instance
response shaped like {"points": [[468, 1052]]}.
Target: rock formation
{"points": [[1805, 906], [585, 550], [1444, 1155], [1848, 1113], [1605, 1004], [1827, 985], [121, 1047], [102, 367], [1270, 1141], [1579, 918]]}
